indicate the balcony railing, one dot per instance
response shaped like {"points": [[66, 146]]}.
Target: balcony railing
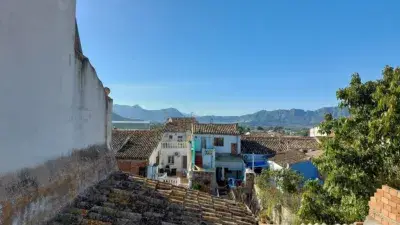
{"points": [[173, 144]]}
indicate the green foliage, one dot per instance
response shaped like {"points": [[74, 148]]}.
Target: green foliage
{"points": [[363, 154], [289, 191], [260, 128], [196, 187], [243, 129]]}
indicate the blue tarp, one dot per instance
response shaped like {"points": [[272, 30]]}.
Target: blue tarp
{"points": [[257, 164]]}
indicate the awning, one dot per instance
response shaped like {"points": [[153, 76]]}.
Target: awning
{"points": [[230, 162], [257, 164]]}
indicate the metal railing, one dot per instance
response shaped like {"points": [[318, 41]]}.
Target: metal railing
{"points": [[174, 144]]}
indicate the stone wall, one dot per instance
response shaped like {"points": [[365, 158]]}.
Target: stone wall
{"points": [[205, 179], [32, 196]]}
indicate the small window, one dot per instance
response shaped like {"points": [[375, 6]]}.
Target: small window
{"points": [[180, 138], [171, 137], [219, 142], [171, 159]]}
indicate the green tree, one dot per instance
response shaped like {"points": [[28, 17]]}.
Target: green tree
{"points": [[260, 128], [241, 129], [363, 154]]}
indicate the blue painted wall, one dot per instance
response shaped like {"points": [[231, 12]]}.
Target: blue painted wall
{"points": [[307, 169]]}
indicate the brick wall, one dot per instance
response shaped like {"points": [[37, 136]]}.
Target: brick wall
{"points": [[131, 166], [384, 206]]}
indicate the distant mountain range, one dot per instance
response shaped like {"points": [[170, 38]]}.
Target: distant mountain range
{"points": [[287, 118]]}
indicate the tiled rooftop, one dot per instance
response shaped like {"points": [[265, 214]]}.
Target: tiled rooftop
{"points": [[140, 144], [124, 200], [267, 145], [211, 128], [119, 138], [179, 124], [289, 157]]}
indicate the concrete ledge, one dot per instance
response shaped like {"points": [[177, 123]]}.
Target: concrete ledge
{"points": [[34, 195]]}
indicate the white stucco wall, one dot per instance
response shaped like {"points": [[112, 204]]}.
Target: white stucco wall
{"points": [[174, 136], [51, 101], [228, 140], [178, 163], [274, 166], [315, 132]]}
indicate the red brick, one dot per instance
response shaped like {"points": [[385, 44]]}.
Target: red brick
{"points": [[385, 212], [393, 192], [385, 188], [379, 193], [392, 216], [387, 195], [385, 222], [377, 217], [387, 207], [392, 204], [385, 200], [398, 218]]}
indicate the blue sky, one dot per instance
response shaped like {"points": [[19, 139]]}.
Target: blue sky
{"points": [[234, 57]]}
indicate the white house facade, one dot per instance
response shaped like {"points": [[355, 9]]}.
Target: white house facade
{"points": [[217, 148]]}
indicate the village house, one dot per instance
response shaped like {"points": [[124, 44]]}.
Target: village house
{"points": [[281, 152], [216, 147], [137, 151], [175, 147]]}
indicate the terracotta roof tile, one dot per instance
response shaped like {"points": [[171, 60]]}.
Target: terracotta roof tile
{"points": [[267, 145], [179, 124], [121, 199], [213, 128], [289, 157], [140, 144], [119, 138]]}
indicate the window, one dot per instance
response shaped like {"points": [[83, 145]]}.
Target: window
{"points": [[219, 142], [180, 138], [171, 137], [171, 159]]}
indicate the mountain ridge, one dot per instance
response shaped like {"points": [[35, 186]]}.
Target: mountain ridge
{"points": [[281, 117]]}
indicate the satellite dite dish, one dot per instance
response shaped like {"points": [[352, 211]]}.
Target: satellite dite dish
{"points": [[107, 90]]}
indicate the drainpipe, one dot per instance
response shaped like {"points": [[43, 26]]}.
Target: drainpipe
{"points": [[253, 161]]}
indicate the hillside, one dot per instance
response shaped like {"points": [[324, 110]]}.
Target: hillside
{"points": [[116, 117], [286, 118]]}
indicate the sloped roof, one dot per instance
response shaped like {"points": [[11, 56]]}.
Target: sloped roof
{"points": [[140, 144], [266, 145], [289, 157], [261, 145], [179, 124], [121, 199], [119, 138], [213, 128]]}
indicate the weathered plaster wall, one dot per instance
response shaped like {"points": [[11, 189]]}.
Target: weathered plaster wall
{"points": [[35, 195], [52, 99], [228, 140], [53, 103]]}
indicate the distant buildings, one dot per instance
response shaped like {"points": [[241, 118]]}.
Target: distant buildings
{"points": [[131, 125], [315, 132]]}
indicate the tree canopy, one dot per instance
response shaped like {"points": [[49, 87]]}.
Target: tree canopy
{"points": [[363, 153]]}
